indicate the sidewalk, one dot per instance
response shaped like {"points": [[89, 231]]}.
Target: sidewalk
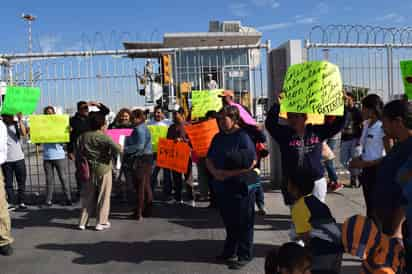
{"points": [[178, 239]]}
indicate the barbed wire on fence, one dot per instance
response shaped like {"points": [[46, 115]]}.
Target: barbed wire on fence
{"points": [[360, 34]]}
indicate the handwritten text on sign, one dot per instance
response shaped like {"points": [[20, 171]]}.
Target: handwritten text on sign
{"points": [[157, 132], [201, 135], [20, 99], [204, 101], [313, 87], [406, 69], [173, 155], [49, 129]]}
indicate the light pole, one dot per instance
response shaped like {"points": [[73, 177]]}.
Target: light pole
{"points": [[29, 18]]}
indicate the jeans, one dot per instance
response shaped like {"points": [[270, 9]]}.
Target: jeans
{"points": [[260, 196], [142, 167], [167, 183], [18, 169], [49, 166], [349, 150], [178, 182], [330, 164], [238, 214]]}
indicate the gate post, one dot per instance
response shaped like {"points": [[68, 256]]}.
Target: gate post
{"points": [[278, 61]]}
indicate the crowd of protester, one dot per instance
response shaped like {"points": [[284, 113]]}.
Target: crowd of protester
{"points": [[375, 149]]}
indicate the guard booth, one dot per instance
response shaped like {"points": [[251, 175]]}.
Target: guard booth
{"points": [[228, 56]]}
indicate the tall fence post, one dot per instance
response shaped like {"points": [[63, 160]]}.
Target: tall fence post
{"points": [[278, 61]]}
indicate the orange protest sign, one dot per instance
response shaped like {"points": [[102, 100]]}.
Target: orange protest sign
{"points": [[201, 135], [173, 155], [313, 118]]}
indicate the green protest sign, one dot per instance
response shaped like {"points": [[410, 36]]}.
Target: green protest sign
{"points": [[157, 132], [313, 87], [204, 101], [406, 69], [20, 99]]}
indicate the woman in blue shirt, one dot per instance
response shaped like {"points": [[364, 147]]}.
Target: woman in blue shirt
{"points": [[139, 154], [236, 204], [54, 158]]}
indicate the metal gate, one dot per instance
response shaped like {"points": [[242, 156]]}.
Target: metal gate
{"points": [[367, 56], [112, 77]]}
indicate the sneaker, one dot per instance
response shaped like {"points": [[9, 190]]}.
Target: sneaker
{"points": [[82, 227], [22, 206], [226, 258], [68, 203], [262, 211], [239, 264], [49, 204], [11, 208], [335, 187], [177, 202], [101, 227], [191, 203], [6, 250]]}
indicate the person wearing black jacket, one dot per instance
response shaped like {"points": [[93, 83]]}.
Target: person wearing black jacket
{"points": [[79, 124], [301, 146]]}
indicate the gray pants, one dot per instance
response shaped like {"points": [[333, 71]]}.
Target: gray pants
{"points": [[49, 166]]}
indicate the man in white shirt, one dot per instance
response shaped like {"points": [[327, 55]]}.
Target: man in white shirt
{"points": [[5, 223], [159, 120], [212, 84]]}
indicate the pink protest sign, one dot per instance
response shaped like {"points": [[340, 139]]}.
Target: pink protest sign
{"points": [[116, 133], [246, 117]]}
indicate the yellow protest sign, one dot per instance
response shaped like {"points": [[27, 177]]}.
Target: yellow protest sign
{"points": [[313, 87], [314, 119], [204, 101], [157, 132], [49, 129]]}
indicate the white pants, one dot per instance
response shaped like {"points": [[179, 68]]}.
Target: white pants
{"points": [[320, 189]]}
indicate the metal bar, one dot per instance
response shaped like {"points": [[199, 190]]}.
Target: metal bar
{"points": [[119, 52]]}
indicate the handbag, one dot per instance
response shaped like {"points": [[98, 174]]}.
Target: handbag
{"points": [[82, 164]]}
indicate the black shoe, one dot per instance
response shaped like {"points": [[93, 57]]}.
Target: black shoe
{"points": [[68, 203], [6, 250], [226, 258], [239, 264]]}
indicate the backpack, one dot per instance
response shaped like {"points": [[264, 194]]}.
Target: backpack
{"points": [[82, 164]]}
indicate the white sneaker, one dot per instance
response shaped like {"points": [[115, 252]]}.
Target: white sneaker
{"points": [[191, 203], [82, 227], [100, 227]]}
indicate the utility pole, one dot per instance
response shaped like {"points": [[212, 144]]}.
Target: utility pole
{"points": [[29, 18]]}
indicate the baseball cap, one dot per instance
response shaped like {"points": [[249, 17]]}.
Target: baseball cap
{"points": [[227, 93]]}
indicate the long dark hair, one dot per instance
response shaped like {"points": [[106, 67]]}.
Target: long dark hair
{"points": [[289, 255]]}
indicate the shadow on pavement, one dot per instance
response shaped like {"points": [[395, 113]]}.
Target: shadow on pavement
{"points": [[44, 217], [199, 251]]}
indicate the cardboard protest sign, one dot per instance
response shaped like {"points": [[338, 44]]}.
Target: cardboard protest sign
{"points": [[173, 155], [406, 70], [157, 132], [204, 101], [201, 135], [20, 99], [116, 134], [49, 129], [313, 87], [314, 119]]}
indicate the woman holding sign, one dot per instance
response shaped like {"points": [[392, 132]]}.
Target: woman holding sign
{"points": [[53, 158], [235, 190]]}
